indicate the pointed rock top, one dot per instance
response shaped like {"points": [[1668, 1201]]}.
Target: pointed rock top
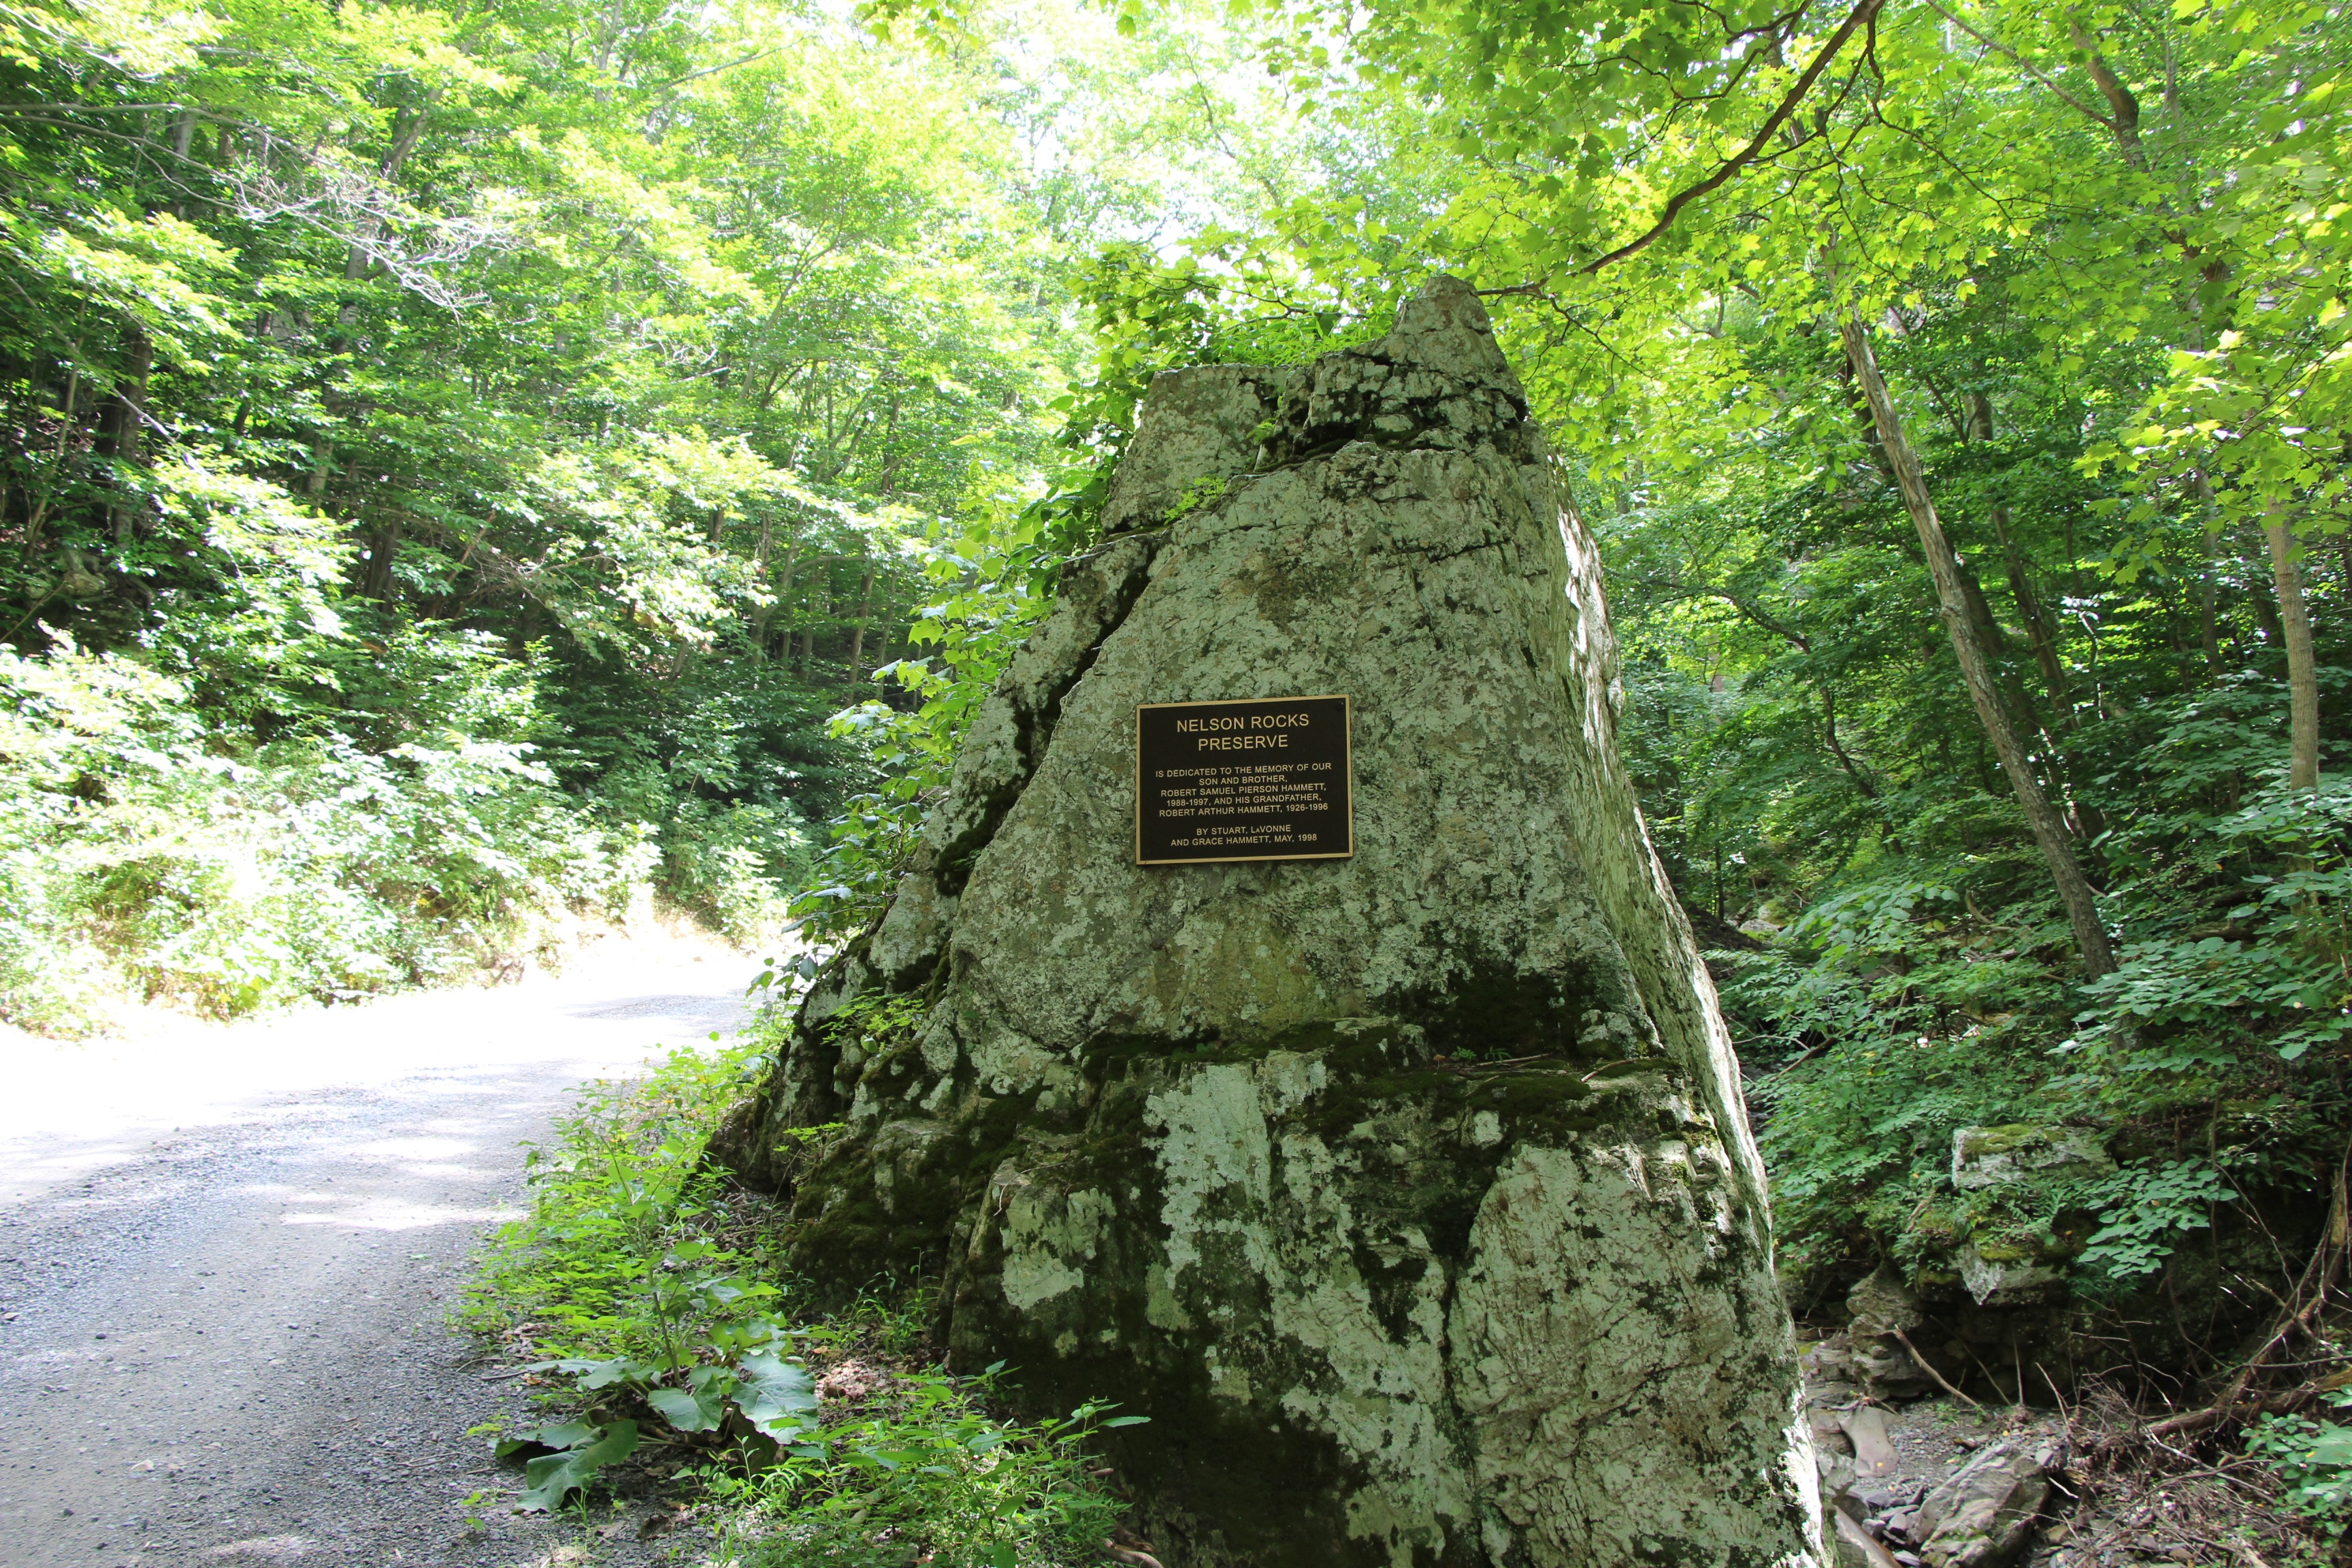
{"points": [[1444, 328]]}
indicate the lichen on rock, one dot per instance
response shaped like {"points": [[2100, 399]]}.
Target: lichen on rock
{"points": [[1409, 1196]]}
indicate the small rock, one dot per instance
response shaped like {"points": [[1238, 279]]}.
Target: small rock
{"points": [[1881, 1302], [2001, 1273], [1882, 1307], [1829, 1362], [1832, 1395], [1837, 1482], [1982, 1517], [1853, 1547], [1874, 1451]]}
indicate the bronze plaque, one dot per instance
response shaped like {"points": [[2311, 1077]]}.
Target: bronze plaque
{"points": [[1263, 778]]}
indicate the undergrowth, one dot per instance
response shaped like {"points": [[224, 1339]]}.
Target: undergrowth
{"points": [[154, 850], [667, 1346]]}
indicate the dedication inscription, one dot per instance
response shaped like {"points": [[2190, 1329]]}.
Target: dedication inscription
{"points": [[1267, 778]]}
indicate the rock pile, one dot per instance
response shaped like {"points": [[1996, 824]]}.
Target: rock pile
{"points": [[1918, 1483], [1928, 1487]]}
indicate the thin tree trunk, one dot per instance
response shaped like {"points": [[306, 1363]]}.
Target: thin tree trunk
{"points": [[2020, 587], [37, 514], [2208, 630], [130, 426], [2037, 625], [2208, 591], [766, 612], [2266, 612], [858, 636], [1863, 783], [2302, 669], [408, 126], [1976, 670], [377, 582]]}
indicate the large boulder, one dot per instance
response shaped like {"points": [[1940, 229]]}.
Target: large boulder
{"points": [[1409, 1196]]}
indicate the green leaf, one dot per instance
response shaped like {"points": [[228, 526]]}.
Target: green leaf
{"points": [[775, 1395], [2334, 1447], [547, 1479], [699, 1411], [556, 1435]]}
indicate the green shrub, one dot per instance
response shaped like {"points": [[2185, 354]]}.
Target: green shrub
{"points": [[933, 1476], [2313, 1459], [152, 853], [1911, 998]]}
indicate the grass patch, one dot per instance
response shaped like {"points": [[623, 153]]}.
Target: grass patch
{"points": [[650, 1300]]}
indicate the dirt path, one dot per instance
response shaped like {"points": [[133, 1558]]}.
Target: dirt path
{"points": [[226, 1256]]}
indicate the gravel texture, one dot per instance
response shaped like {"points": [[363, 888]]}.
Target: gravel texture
{"points": [[226, 1339]]}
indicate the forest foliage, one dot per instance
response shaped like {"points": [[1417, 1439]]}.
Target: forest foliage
{"points": [[470, 468], [459, 460]]}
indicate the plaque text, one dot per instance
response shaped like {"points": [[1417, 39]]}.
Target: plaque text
{"points": [[1264, 778]]}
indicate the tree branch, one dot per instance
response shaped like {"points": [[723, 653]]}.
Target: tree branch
{"points": [[2028, 67], [1855, 21]]}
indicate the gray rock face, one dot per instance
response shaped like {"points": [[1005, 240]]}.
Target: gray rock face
{"points": [[2007, 1156], [1884, 1310], [1409, 1196]]}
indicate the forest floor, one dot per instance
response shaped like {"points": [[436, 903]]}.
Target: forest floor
{"points": [[228, 1256]]}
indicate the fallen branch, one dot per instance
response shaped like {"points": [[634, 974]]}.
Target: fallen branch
{"points": [[1921, 1362]]}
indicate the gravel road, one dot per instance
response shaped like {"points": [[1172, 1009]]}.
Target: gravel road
{"points": [[228, 1254]]}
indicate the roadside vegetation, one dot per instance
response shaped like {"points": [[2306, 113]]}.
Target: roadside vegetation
{"points": [[672, 1357]]}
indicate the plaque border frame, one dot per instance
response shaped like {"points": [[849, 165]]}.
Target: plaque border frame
{"points": [[1347, 755]]}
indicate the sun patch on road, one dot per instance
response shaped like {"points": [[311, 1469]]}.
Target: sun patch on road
{"points": [[382, 1213], [267, 1547]]}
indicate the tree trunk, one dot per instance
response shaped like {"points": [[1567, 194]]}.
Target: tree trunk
{"points": [[2049, 828], [857, 636], [130, 423], [2266, 611], [375, 583], [765, 614], [2208, 630], [2301, 670], [1863, 784], [2020, 587], [408, 126], [2037, 625]]}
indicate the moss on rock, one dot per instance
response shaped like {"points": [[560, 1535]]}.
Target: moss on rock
{"points": [[1409, 1195]]}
